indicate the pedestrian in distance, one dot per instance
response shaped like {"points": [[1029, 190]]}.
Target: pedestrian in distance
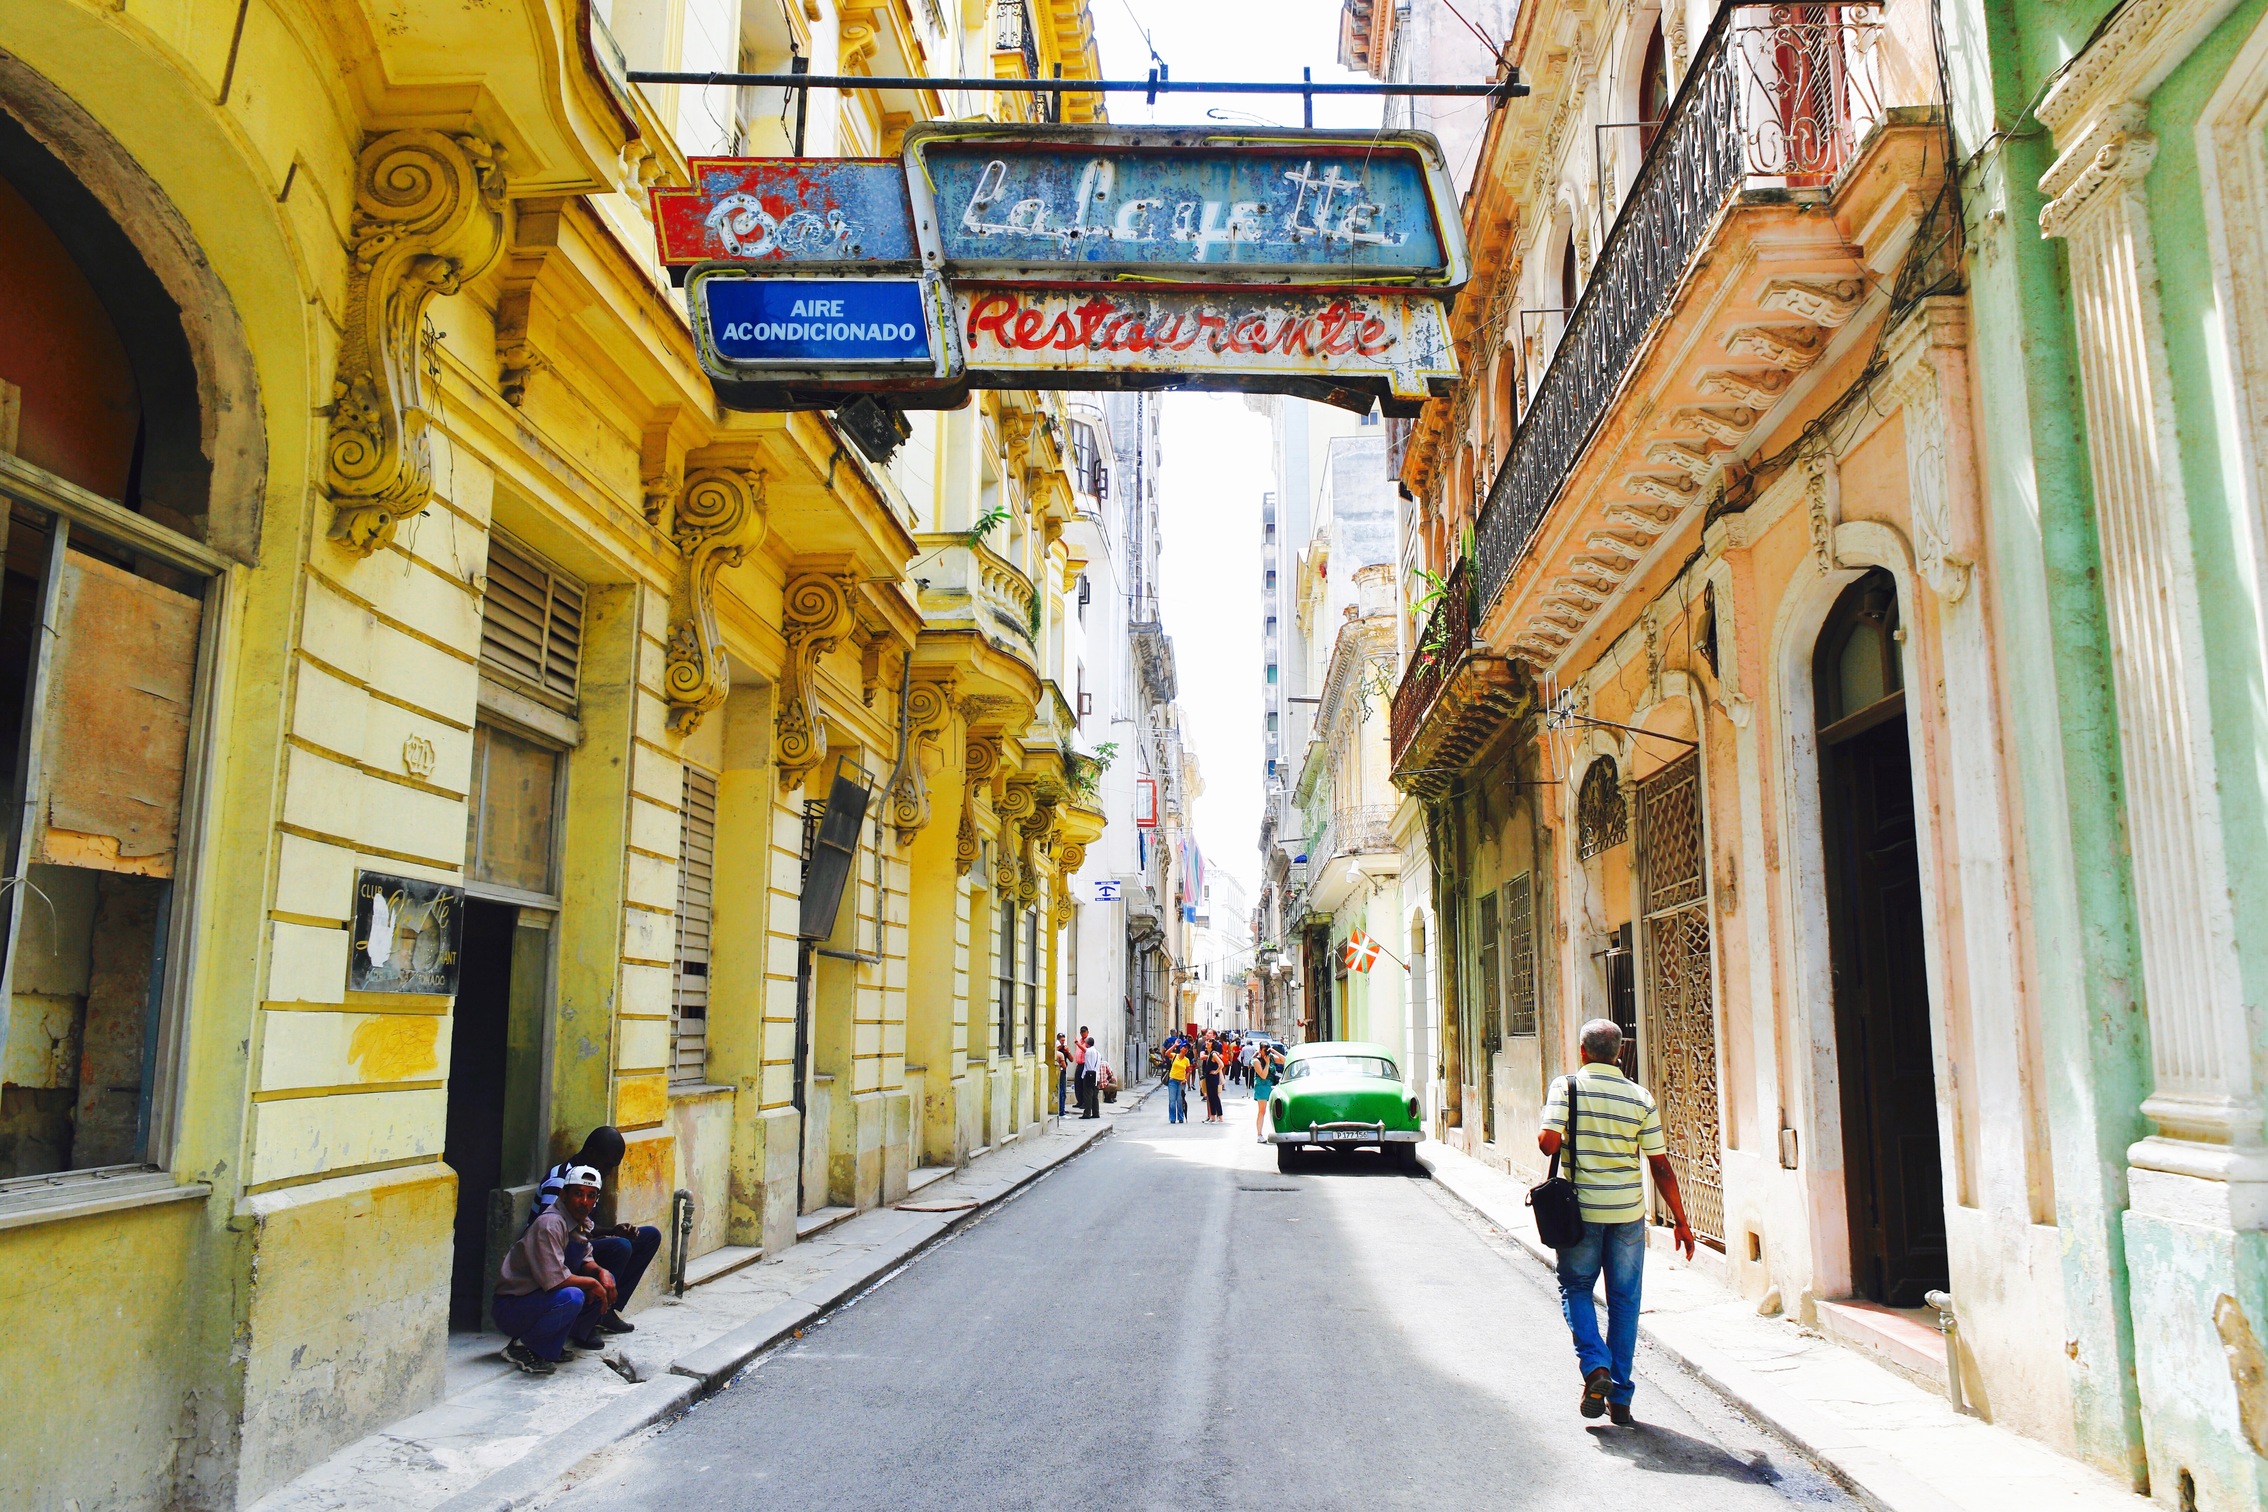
{"points": [[1090, 1070], [621, 1250], [1616, 1122], [1062, 1072], [1212, 1086], [1177, 1087], [542, 1300], [1263, 1084]]}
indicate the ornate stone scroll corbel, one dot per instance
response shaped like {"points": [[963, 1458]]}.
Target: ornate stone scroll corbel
{"points": [[1823, 502], [719, 519], [980, 759], [428, 214], [817, 615], [929, 709]]}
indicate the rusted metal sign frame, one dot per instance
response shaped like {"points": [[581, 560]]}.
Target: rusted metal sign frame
{"points": [[785, 386], [1146, 146]]}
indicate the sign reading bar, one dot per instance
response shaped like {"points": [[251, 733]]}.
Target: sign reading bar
{"points": [[816, 322], [1085, 204], [406, 934], [1345, 338], [787, 210]]}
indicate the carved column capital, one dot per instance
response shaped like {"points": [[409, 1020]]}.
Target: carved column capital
{"points": [[718, 520], [980, 760], [428, 214], [2114, 155], [817, 612]]}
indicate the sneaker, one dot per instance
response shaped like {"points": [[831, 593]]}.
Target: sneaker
{"points": [[615, 1323], [588, 1346], [1594, 1393], [1618, 1413], [527, 1360]]}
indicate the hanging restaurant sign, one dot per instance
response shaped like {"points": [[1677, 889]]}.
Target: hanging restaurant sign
{"points": [[805, 211], [1024, 337], [1082, 204]]}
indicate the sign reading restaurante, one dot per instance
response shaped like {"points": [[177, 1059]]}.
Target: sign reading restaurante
{"points": [[1312, 263]]}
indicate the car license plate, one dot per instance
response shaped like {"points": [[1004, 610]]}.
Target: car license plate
{"points": [[1328, 1135]]}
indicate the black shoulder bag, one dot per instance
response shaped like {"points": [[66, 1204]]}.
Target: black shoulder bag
{"points": [[1559, 1212]]}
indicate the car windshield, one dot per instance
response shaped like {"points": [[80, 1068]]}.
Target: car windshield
{"points": [[1340, 1065]]}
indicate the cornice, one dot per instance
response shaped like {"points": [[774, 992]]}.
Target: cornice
{"points": [[2144, 41]]}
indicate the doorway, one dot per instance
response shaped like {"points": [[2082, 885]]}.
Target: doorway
{"points": [[479, 1052], [1894, 1182]]}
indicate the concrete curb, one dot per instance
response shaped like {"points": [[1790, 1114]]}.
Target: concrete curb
{"points": [[708, 1369]]}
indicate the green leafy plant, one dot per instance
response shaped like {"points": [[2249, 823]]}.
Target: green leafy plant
{"points": [[985, 523], [1087, 771]]}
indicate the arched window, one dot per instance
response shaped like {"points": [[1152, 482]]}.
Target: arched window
{"points": [[1506, 406], [1855, 674], [1602, 819], [1653, 89], [1569, 287]]}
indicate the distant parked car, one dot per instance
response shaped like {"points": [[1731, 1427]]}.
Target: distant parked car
{"points": [[1343, 1095]]}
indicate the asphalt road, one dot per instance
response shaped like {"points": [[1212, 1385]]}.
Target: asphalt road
{"points": [[1166, 1322]]}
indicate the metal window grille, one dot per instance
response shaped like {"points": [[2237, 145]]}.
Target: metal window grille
{"points": [[1031, 965], [1518, 914], [696, 877], [1004, 982], [1602, 820], [1491, 979], [531, 622], [1681, 1016]]}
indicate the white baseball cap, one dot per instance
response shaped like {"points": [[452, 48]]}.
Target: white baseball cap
{"points": [[585, 1176]]}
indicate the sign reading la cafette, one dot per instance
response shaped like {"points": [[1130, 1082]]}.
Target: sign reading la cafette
{"points": [[1312, 263]]}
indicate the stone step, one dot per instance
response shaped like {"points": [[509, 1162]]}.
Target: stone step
{"points": [[1904, 1338]]}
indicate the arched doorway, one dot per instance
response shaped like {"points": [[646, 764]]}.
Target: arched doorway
{"points": [[1893, 1179]]}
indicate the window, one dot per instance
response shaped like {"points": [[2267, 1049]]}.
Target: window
{"points": [[1340, 1065], [1568, 274], [1087, 462], [1004, 982], [509, 811], [1491, 957], [1518, 914], [531, 622], [1031, 965], [1271, 674], [1270, 579], [1653, 89], [696, 872], [1602, 819], [101, 636]]}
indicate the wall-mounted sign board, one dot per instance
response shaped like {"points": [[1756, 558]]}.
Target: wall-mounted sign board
{"points": [[1095, 204], [793, 211], [767, 335], [1024, 337], [407, 933]]}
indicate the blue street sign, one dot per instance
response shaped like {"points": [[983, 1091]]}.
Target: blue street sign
{"points": [[814, 323]]}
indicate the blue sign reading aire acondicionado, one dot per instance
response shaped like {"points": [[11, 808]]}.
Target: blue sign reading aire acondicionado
{"points": [[811, 322]]}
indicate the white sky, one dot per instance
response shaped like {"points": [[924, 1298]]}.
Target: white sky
{"points": [[1216, 451]]}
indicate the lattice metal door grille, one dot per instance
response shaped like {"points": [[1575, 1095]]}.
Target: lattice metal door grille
{"points": [[1681, 1015]]}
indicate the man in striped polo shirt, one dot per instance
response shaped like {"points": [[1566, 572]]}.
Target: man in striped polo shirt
{"points": [[1615, 1122]]}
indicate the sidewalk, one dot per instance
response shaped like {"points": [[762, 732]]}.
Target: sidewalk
{"points": [[1900, 1447], [498, 1439]]}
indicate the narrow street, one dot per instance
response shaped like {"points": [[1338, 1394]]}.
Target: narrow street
{"points": [[1168, 1322]]}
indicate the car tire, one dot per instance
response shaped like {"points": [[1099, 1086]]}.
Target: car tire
{"points": [[1405, 1158], [1287, 1159]]}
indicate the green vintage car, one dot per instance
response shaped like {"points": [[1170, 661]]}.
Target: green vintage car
{"points": [[1343, 1095]]}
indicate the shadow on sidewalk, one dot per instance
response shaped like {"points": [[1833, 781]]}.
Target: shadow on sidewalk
{"points": [[1649, 1446]]}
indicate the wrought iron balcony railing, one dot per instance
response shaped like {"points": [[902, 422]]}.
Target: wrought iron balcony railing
{"points": [[1447, 636], [1352, 831], [1779, 96]]}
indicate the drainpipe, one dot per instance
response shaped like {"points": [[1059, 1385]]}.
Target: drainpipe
{"points": [[1950, 1327], [680, 1238]]}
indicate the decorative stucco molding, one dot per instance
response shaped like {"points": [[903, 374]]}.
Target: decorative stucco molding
{"points": [[1823, 502], [428, 214], [929, 710], [818, 613], [980, 761], [1928, 365], [719, 519]]}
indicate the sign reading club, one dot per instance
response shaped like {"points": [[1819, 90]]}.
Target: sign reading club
{"points": [[807, 322]]}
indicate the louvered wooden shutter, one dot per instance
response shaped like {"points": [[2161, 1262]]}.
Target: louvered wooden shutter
{"points": [[531, 624], [696, 871]]}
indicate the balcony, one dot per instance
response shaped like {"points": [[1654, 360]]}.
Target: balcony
{"points": [[1472, 695], [974, 587], [1719, 287]]}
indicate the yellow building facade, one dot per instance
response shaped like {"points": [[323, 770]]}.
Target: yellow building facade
{"points": [[379, 553]]}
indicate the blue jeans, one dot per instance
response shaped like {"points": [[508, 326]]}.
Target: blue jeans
{"points": [[542, 1320], [626, 1260], [1621, 1249], [1177, 1102]]}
